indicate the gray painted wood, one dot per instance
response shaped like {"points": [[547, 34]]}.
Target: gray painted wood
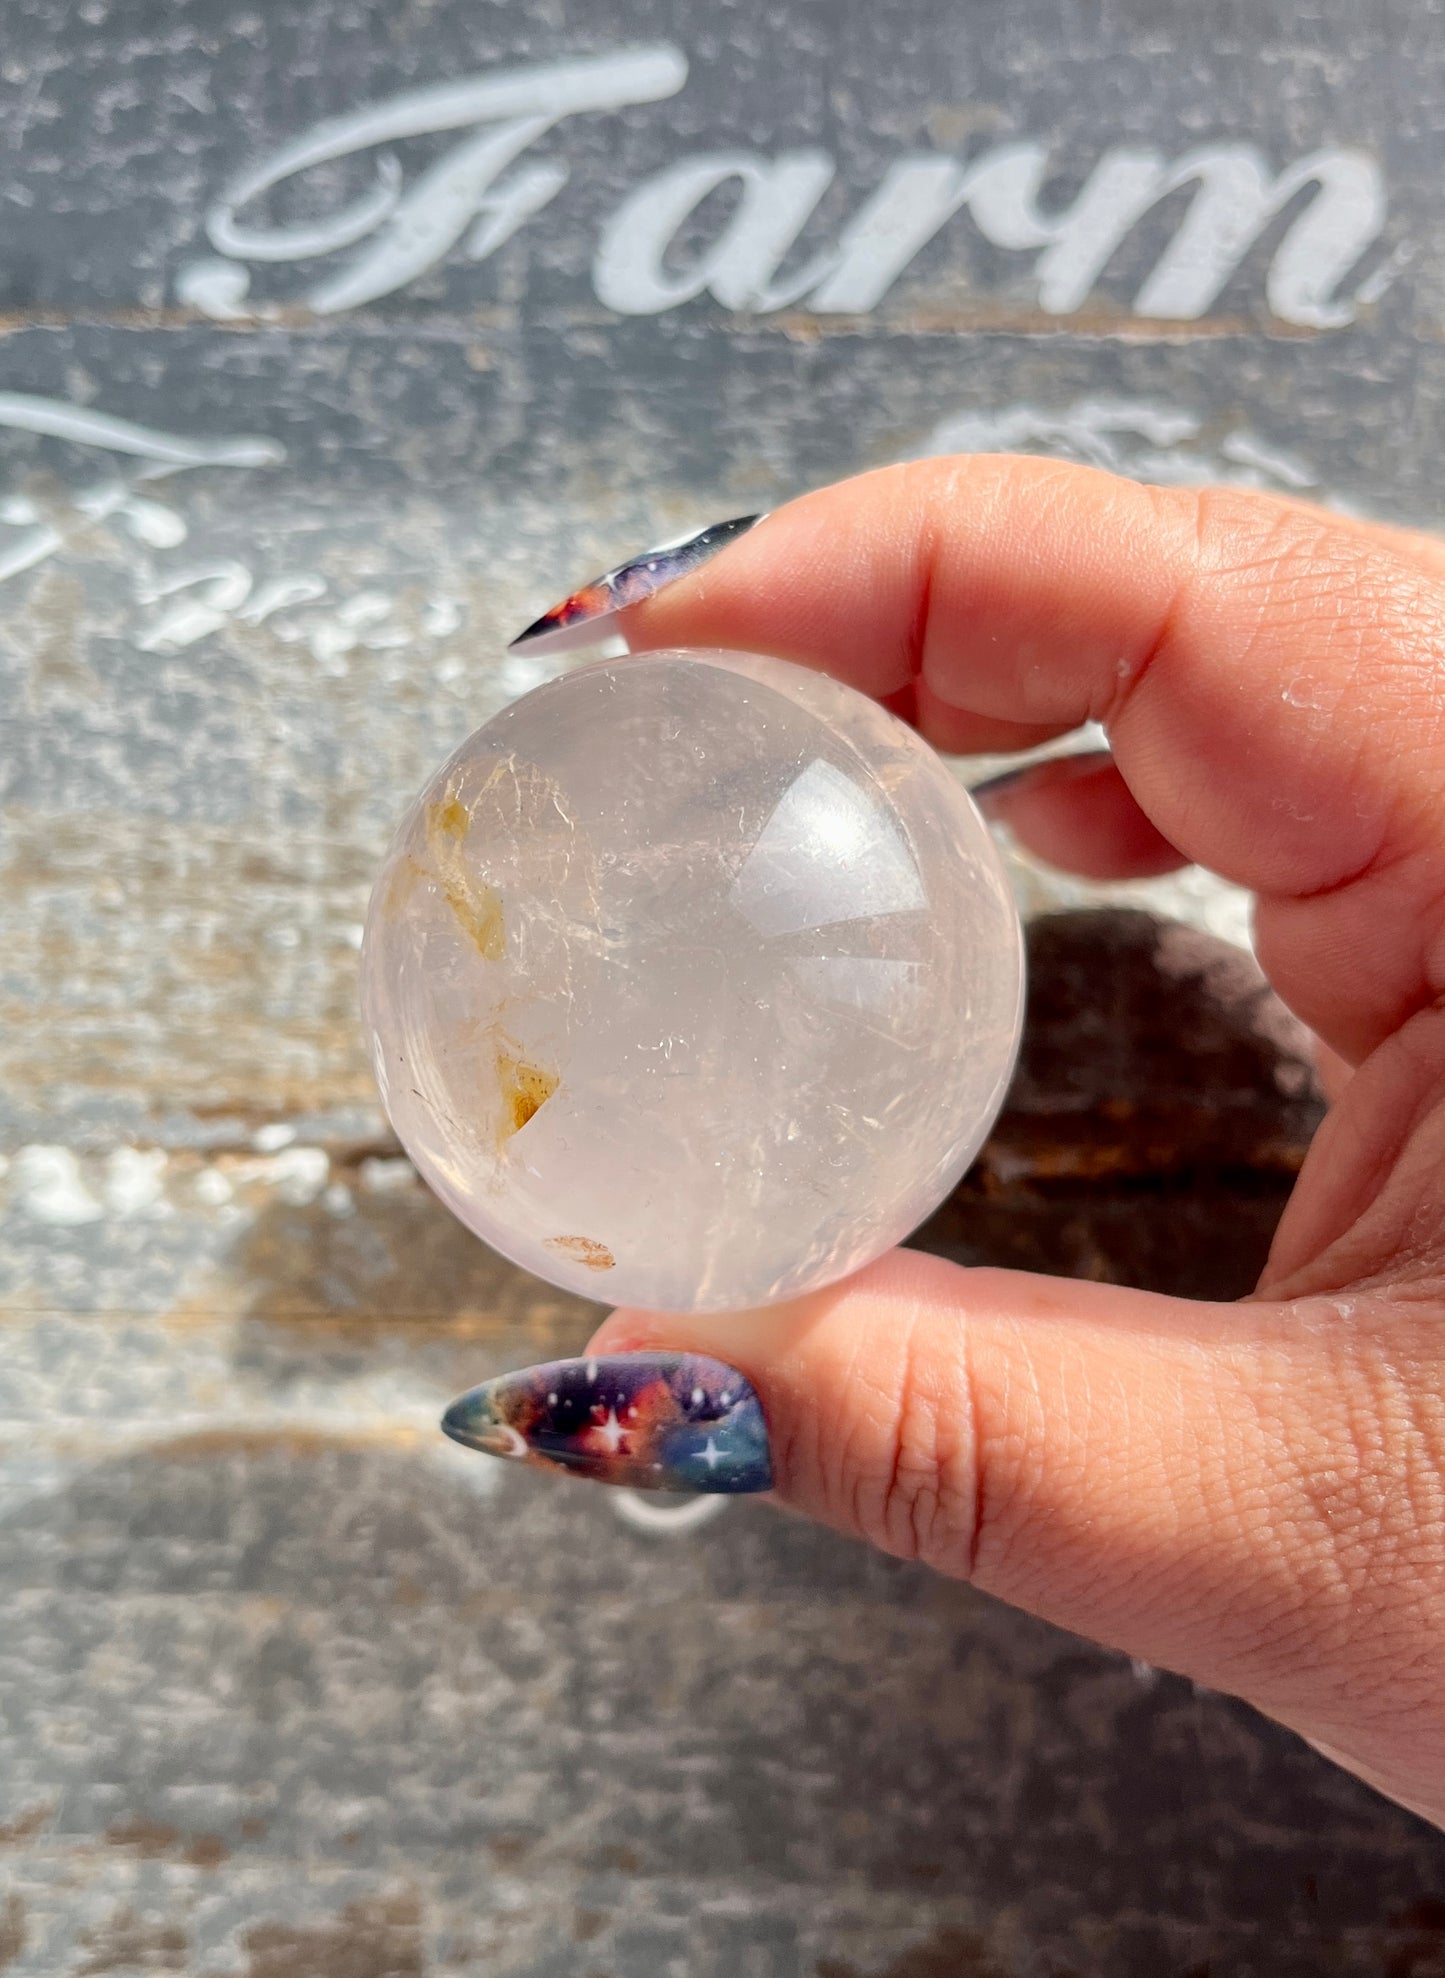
{"points": [[288, 1686]]}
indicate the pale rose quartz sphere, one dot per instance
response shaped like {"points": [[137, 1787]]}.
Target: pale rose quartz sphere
{"points": [[693, 981]]}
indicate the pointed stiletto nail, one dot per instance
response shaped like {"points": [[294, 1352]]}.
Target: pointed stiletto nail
{"points": [[582, 619], [652, 1421]]}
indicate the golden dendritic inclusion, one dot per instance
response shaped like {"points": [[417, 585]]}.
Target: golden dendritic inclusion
{"points": [[522, 1088], [583, 1250], [525, 1090], [703, 973], [477, 906]]}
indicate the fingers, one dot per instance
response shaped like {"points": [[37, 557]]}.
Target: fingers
{"points": [[1269, 677], [1332, 1074], [957, 732], [1199, 1485], [1077, 812], [1368, 1206]]}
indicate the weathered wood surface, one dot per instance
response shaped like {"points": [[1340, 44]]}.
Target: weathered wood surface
{"points": [[289, 1687]]}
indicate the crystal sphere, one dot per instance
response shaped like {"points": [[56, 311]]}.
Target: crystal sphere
{"points": [[693, 981]]}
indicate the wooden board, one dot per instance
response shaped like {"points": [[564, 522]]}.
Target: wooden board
{"points": [[289, 1687]]}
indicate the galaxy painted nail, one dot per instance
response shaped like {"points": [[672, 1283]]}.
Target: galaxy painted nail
{"points": [[653, 1421], [582, 619]]}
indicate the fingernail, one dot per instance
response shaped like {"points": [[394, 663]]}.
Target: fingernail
{"points": [[996, 786], [652, 1421], [1061, 768], [581, 620]]}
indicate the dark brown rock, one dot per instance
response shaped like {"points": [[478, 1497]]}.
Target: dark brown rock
{"points": [[1163, 1104]]}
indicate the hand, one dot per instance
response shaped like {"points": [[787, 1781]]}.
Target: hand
{"points": [[1251, 1494]]}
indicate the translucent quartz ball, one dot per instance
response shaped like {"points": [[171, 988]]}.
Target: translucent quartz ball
{"points": [[693, 981]]}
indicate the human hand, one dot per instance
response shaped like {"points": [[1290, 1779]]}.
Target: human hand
{"points": [[1251, 1494]]}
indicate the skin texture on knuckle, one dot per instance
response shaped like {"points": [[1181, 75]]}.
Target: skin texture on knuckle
{"points": [[1343, 1517], [902, 1466], [1293, 564], [1300, 657], [1368, 1213], [1399, 1428], [1356, 1659], [1348, 605]]}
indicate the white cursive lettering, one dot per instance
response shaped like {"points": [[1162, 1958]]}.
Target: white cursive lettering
{"points": [[419, 228], [1332, 204], [778, 196], [1236, 199]]}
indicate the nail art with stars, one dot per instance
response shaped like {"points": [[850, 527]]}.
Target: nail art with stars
{"points": [[584, 617], [652, 1421]]}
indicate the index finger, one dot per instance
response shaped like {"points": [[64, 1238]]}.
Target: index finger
{"points": [[1269, 676]]}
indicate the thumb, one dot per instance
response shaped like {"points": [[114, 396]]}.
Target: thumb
{"points": [[1195, 1484]]}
